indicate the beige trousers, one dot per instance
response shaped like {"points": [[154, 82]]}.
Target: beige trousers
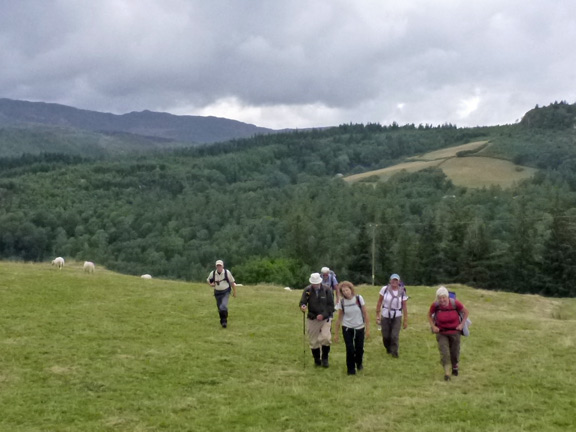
{"points": [[319, 333]]}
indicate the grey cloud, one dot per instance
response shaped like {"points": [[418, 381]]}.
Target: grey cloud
{"points": [[360, 60]]}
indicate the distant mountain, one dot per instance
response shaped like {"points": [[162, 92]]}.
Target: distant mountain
{"points": [[21, 117]]}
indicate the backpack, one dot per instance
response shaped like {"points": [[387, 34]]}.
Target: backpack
{"points": [[332, 281], [357, 302], [452, 297], [401, 293], [213, 278]]}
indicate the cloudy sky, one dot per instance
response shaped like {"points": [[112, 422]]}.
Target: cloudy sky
{"points": [[294, 63]]}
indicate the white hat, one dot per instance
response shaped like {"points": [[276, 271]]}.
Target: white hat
{"points": [[325, 270], [315, 278], [220, 262], [395, 276], [442, 292]]}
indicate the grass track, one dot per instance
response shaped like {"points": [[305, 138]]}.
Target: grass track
{"points": [[108, 352]]}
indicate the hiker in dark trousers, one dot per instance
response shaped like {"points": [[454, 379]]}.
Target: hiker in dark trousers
{"points": [[318, 303], [447, 317], [353, 318], [223, 282], [392, 313], [329, 281]]}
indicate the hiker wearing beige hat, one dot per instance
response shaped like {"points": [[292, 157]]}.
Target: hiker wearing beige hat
{"points": [[223, 283]]}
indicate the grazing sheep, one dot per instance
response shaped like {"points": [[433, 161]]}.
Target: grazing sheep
{"points": [[58, 262], [146, 276], [89, 267]]}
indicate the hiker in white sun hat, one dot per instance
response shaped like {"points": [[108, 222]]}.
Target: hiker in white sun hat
{"points": [[318, 303]]}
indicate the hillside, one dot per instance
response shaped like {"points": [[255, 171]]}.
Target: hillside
{"points": [[109, 352], [275, 208], [464, 165], [23, 121]]}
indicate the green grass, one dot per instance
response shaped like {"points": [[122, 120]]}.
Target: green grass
{"points": [[108, 352]]}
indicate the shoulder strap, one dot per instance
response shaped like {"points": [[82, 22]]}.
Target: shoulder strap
{"points": [[360, 307], [357, 302]]}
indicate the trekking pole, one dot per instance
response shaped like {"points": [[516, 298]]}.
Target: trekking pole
{"points": [[303, 340]]}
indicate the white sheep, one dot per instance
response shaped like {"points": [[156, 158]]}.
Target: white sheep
{"points": [[146, 276], [89, 267], [58, 262]]}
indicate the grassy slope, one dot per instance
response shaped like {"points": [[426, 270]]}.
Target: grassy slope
{"points": [[474, 172], [108, 352]]}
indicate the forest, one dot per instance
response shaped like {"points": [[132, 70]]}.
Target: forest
{"points": [[277, 207]]}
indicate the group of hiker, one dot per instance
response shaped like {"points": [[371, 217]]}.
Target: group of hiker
{"points": [[447, 317], [324, 295]]}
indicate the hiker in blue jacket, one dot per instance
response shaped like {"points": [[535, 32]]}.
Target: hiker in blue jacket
{"points": [[329, 281]]}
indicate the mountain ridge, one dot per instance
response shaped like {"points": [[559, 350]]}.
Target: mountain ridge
{"points": [[165, 126]]}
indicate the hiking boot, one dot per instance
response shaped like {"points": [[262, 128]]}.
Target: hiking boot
{"points": [[395, 355], [455, 371], [351, 372], [316, 355], [446, 377], [224, 324], [360, 367], [325, 353]]}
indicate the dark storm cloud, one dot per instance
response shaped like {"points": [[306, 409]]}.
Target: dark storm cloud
{"points": [[293, 63]]}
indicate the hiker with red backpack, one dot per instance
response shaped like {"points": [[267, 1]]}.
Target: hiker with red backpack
{"points": [[447, 317], [392, 313], [353, 319]]}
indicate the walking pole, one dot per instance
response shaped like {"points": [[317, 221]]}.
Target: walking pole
{"points": [[303, 340]]}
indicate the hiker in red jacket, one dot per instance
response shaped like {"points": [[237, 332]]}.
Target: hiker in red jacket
{"points": [[447, 317]]}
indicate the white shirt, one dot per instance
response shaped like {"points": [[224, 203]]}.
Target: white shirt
{"points": [[352, 312], [392, 302], [220, 283]]}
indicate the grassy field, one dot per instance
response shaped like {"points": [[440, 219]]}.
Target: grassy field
{"points": [[484, 172], [107, 352], [470, 171]]}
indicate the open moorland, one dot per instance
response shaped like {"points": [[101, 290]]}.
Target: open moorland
{"points": [[110, 352], [472, 170]]}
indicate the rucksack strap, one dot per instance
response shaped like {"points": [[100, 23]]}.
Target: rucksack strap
{"points": [[359, 307]]}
